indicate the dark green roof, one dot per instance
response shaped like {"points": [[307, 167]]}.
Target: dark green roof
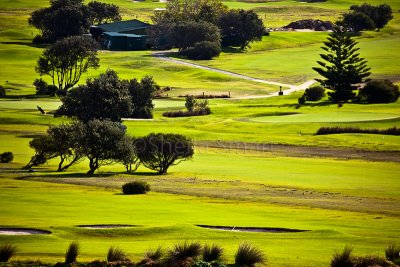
{"points": [[123, 26]]}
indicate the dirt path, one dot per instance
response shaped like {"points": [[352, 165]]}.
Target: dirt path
{"points": [[291, 88]]}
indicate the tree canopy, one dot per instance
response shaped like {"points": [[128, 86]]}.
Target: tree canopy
{"points": [[240, 28], [160, 151], [70, 17], [105, 97], [67, 59], [342, 67]]}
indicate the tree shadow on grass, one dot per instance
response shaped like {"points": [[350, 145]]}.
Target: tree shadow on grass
{"points": [[25, 43]]}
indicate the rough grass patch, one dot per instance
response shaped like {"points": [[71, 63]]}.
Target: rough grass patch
{"points": [[248, 255], [7, 251], [72, 252]]}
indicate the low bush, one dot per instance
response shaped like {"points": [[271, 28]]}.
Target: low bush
{"points": [[380, 92], [2, 91], [72, 252], [6, 157], [339, 130], [180, 113], [7, 251], [115, 254], [212, 253], [203, 51], [135, 187], [392, 253], [183, 255], [343, 259], [314, 93], [248, 255]]}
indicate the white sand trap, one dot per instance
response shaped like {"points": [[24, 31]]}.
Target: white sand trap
{"points": [[23, 231], [105, 226], [252, 229]]}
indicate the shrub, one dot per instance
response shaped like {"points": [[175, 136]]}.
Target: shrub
{"points": [[339, 130], [343, 259], [116, 254], [203, 50], [212, 253], [2, 91], [6, 157], [392, 252], [314, 93], [248, 255], [302, 100], [152, 258], [41, 86], [72, 252], [380, 92], [7, 251], [135, 187], [184, 255]]}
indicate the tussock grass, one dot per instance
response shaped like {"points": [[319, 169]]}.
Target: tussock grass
{"points": [[212, 253], [343, 258], [7, 251], [116, 254], [248, 255], [72, 252]]}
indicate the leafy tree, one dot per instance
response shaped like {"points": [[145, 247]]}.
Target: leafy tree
{"points": [[357, 21], [103, 13], [66, 60], [64, 138], [187, 34], [103, 142], [380, 15], [240, 28], [342, 67], [380, 92], [62, 19], [105, 97], [160, 151], [66, 18], [142, 94], [186, 10], [45, 150]]}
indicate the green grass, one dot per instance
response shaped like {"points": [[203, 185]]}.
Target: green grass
{"points": [[340, 201]]}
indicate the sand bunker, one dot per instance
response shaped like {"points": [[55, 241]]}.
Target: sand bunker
{"points": [[252, 229], [105, 226], [23, 231]]}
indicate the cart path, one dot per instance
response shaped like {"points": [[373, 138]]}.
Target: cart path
{"points": [[291, 88]]}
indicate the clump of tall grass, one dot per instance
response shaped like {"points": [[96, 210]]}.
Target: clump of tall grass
{"points": [[248, 255], [72, 252], [183, 255], [392, 253], [212, 253], [344, 258], [153, 258], [7, 251], [116, 254], [339, 130]]}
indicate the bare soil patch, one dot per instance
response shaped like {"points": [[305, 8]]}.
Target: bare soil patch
{"points": [[23, 231], [252, 229]]}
